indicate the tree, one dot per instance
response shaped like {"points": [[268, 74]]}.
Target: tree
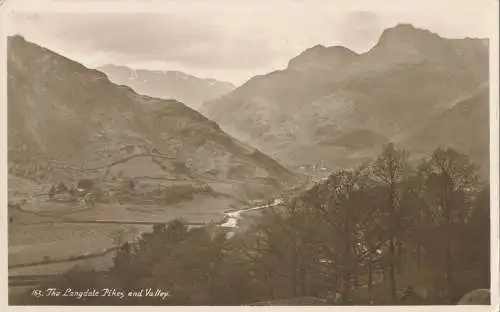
{"points": [[415, 217], [61, 188], [341, 209], [52, 191], [471, 248], [373, 233], [452, 183], [123, 271], [479, 232], [332, 239], [389, 169]]}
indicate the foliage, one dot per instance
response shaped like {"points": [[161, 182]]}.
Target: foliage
{"points": [[382, 233]]}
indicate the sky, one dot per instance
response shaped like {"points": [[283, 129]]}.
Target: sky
{"points": [[229, 40]]}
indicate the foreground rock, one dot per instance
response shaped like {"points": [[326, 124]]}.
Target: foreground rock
{"points": [[476, 297]]}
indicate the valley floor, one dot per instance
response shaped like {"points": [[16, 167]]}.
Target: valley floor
{"points": [[49, 238]]}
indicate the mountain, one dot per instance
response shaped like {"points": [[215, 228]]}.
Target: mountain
{"points": [[463, 127], [320, 56], [70, 121], [191, 90], [328, 97]]}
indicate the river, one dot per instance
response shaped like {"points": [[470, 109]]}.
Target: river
{"points": [[232, 218]]}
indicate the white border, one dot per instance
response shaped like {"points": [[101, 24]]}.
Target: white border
{"points": [[135, 6], [494, 159], [3, 161], [131, 6]]}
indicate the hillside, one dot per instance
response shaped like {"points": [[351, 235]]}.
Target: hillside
{"points": [[463, 127], [188, 89], [69, 121], [330, 94]]}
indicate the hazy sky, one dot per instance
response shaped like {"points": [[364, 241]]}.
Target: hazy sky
{"points": [[233, 40]]}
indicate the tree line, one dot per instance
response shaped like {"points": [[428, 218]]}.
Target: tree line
{"points": [[390, 231]]}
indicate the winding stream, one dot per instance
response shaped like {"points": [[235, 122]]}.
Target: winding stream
{"points": [[232, 218]]}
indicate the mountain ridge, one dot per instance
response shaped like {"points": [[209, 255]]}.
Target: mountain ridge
{"points": [[167, 84], [388, 90], [61, 112]]}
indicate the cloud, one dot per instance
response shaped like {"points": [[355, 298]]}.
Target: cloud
{"points": [[228, 41], [194, 41]]}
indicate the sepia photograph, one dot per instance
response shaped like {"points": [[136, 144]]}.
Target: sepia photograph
{"points": [[250, 153]]}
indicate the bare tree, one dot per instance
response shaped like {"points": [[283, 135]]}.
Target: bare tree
{"points": [[389, 169], [451, 181], [339, 207]]}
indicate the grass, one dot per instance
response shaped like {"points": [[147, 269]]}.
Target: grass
{"points": [[47, 238], [98, 263], [37, 232], [31, 243]]}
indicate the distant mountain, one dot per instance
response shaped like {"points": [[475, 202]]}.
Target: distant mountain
{"points": [[358, 139], [63, 115], [464, 127], [329, 97], [188, 89]]}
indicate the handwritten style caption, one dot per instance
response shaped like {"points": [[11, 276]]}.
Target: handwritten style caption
{"points": [[104, 292]]}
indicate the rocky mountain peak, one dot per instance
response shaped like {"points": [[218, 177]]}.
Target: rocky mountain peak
{"points": [[409, 37], [320, 56]]}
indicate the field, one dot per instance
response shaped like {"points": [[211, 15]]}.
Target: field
{"points": [[98, 263], [199, 209], [24, 279], [42, 230], [54, 233], [31, 243], [35, 237]]}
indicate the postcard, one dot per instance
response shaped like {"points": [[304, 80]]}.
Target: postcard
{"points": [[249, 153]]}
